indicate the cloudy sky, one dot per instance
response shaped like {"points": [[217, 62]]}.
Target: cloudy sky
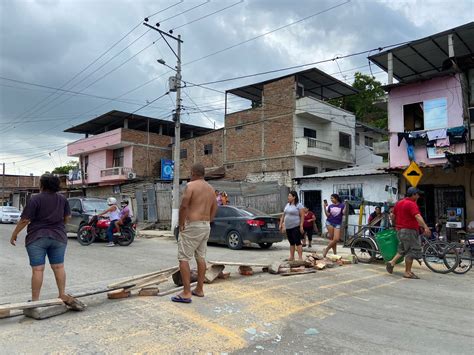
{"points": [[101, 57]]}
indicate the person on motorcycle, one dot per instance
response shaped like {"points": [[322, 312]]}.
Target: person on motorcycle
{"points": [[114, 216], [124, 215]]}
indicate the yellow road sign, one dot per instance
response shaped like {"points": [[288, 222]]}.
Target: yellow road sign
{"points": [[413, 174]]}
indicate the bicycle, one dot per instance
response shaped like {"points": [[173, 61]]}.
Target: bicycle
{"points": [[439, 256], [466, 254]]}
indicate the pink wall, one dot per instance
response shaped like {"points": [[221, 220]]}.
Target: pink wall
{"points": [[98, 142], [97, 162], [128, 157], [447, 87]]}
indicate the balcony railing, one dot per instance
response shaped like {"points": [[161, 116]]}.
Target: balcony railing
{"points": [[316, 143], [117, 171]]}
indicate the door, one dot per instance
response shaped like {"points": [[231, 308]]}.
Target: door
{"points": [[312, 200], [76, 215]]}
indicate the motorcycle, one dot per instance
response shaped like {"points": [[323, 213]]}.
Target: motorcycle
{"points": [[97, 229]]}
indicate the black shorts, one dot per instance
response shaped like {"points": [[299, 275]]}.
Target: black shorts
{"points": [[294, 236]]}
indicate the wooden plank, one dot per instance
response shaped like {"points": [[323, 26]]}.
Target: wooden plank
{"points": [[139, 277], [33, 304], [298, 273], [148, 283], [173, 290], [233, 263], [99, 290]]}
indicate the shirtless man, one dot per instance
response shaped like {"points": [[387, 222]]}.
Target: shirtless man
{"points": [[197, 210]]}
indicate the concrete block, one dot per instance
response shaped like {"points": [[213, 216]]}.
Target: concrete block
{"points": [[223, 275], [112, 295], [45, 312], [245, 270], [149, 291], [212, 273], [273, 268]]}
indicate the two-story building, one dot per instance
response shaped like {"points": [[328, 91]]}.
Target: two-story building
{"points": [[369, 140], [431, 118], [288, 130], [119, 147]]}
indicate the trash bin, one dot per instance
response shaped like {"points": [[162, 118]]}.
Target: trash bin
{"points": [[387, 242]]}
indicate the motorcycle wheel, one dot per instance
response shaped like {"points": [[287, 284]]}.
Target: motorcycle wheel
{"points": [[126, 237], [85, 236]]}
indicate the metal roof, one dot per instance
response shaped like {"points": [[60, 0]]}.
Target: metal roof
{"points": [[424, 57], [369, 128], [368, 169], [115, 119], [316, 83]]}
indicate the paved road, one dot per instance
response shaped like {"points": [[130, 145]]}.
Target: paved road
{"points": [[354, 308]]}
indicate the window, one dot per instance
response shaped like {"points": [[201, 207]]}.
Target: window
{"points": [[183, 154], [357, 138], [344, 140], [75, 205], [369, 141], [429, 114], [308, 132], [223, 212], [207, 149], [117, 158], [351, 192], [309, 170]]}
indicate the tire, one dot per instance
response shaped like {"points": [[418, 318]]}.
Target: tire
{"points": [[85, 237], [465, 260], [441, 257], [234, 240], [126, 238], [265, 245], [364, 251]]}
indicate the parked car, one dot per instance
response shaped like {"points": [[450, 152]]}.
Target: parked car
{"points": [[9, 214], [239, 226], [82, 209]]}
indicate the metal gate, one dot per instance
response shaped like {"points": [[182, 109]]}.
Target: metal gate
{"points": [[146, 205]]}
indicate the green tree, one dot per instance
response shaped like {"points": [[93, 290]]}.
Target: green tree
{"points": [[362, 104], [64, 170]]}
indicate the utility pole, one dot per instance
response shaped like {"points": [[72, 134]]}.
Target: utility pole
{"points": [[176, 118], [3, 185]]}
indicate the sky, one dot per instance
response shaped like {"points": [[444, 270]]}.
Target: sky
{"points": [[64, 62]]}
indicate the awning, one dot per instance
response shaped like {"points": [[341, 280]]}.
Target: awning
{"points": [[425, 57], [316, 83]]}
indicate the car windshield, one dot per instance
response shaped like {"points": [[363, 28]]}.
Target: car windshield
{"points": [[94, 205], [10, 209], [250, 212]]}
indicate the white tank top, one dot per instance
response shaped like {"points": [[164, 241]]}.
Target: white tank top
{"points": [[114, 215]]}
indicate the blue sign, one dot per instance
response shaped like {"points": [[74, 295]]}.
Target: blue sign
{"points": [[167, 169]]}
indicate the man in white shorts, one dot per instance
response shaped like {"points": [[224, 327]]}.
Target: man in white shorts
{"points": [[197, 210]]}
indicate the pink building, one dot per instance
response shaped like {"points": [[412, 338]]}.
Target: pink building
{"points": [[431, 121], [119, 147]]}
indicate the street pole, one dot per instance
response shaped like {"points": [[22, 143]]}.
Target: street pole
{"points": [[3, 185], [177, 142], [176, 119]]}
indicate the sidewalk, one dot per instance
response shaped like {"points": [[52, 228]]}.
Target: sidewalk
{"points": [[155, 233]]}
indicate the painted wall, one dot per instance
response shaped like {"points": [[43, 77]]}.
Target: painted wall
{"points": [[97, 162], [98, 142], [373, 189], [365, 155], [446, 87]]}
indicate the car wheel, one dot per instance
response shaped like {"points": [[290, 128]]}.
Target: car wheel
{"points": [[265, 245], [234, 240]]}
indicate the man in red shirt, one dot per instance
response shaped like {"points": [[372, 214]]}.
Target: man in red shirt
{"points": [[407, 219]]}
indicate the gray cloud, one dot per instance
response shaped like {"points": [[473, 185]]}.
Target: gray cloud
{"points": [[48, 42]]}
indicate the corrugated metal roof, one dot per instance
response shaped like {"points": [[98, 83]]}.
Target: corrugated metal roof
{"points": [[369, 169]]}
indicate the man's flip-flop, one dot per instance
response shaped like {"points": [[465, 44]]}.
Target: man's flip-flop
{"points": [[196, 294], [412, 276], [181, 299], [389, 268]]}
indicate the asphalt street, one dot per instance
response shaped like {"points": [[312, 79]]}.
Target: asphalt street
{"points": [[348, 309]]}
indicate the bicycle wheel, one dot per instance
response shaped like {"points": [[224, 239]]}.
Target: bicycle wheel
{"points": [[441, 257], [465, 260]]}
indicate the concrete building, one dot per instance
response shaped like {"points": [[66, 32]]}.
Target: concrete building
{"points": [[17, 189], [120, 148], [368, 139], [288, 130], [431, 118]]}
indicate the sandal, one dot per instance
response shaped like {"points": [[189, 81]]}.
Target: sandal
{"points": [[412, 276], [389, 268]]}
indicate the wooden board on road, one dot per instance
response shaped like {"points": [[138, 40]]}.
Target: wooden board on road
{"points": [[233, 263], [298, 273], [33, 304]]}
